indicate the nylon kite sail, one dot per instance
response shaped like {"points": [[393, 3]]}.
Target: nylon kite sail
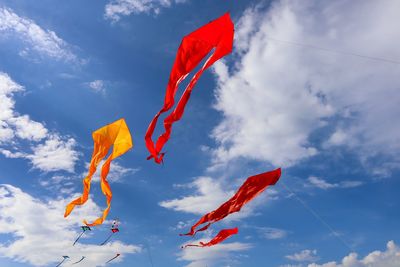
{"points": [[113, 258], [221, 236], [64, 259], [84, 229], [114, 229], [217, 35], [251, 188], [117, 136], [83, 257]]}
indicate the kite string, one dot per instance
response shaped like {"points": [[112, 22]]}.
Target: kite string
{"points": [[149, 254], [319, 218], [335, 51]]}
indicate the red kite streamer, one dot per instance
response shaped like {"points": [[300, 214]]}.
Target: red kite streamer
{"points": [[221, 236], [251, 188], [194, 48], [115, 136]]}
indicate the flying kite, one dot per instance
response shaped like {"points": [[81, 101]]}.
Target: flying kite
{"points": [[113, 258], [217, 35], [252, 187], [114, 229], [65, 258], [83, 257], [221, 236], [84, 229], [114, 135]]}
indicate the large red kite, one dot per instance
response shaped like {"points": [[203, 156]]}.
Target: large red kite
{"points": [[252, 187], [217, 35], [221, 236]]}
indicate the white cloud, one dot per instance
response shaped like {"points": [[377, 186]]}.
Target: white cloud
{"points": [[117, 8], [388, 258], [55, 154], [272, 233], [212, 256], [97, 86], [48, 151], [26, 128], [305, 255], [209, 196], [322, 184], [40, 234], [279, 93], [45, 42]]}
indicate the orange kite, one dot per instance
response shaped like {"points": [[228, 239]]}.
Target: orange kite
{"points": [[114, 135]]}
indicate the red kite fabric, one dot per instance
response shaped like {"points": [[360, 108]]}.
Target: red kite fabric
{"points": [[251, 188], [194, 48], [221, 236]]}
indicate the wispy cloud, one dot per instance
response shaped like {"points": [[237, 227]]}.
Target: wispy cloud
{"points": [[40, 234], [97, 86], [272, 233], [322, 184], [115, 9], [305, 255], [45, 42]]}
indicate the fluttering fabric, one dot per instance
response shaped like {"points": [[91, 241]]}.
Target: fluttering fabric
{"points": [[217, 35], [117, 136], [221, 236], [251, 188]]}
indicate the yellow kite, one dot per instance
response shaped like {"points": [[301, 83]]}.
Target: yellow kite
{"points": [[117, 135]]}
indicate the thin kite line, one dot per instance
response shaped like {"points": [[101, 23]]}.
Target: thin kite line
{"points": [[336, 51], [336, 234]]}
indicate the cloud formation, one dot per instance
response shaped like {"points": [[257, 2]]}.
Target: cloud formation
{"points": [[322, 184], [388, 258], [49, 151], [115, 9], [39, 235], [305, 255], [282, 89], [45, 42]]}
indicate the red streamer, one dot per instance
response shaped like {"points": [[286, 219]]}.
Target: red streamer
{"points": [[221, 236], [251, 188], [194, 48]]}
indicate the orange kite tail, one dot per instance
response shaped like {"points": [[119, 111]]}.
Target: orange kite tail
{"points": [[114, 135]]}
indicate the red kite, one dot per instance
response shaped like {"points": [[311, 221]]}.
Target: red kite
{"points": [[217, 35]]}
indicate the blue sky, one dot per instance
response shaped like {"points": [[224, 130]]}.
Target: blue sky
{"points": [[290, 95]]}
